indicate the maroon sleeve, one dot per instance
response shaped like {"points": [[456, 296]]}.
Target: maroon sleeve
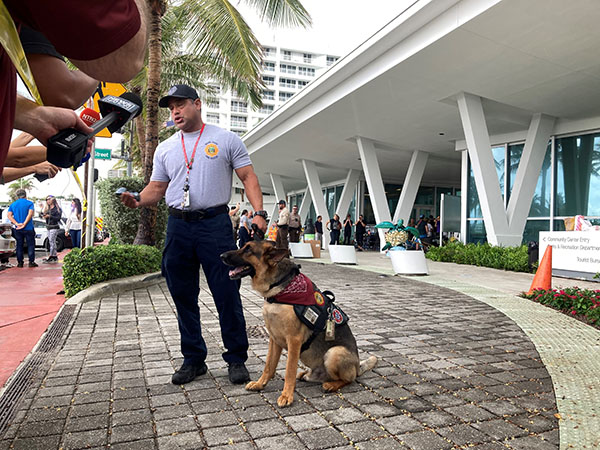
{"points": [[80, 29]]}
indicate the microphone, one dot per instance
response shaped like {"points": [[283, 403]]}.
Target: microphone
{"points": [[89, 116], [67, 147]]}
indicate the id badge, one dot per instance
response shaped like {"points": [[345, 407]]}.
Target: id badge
{"points": [[186, 199]]}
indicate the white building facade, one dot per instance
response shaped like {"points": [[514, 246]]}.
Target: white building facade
{"points": [[285, 72], [493, 100]]}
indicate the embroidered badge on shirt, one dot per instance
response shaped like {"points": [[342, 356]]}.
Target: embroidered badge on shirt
{"points": [[211, 150]]}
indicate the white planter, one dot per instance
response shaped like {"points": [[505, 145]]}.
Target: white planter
{"points": [[409, 262], [342, 254], [301, 250]]}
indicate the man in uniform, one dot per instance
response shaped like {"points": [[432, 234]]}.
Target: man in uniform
{"points": [[295, 225], [193, 169], [281, 241]]}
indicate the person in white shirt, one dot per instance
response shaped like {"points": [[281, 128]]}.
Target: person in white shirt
{"points": [[74, 223]]}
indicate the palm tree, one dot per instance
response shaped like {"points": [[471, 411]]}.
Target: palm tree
{"points": [[201, 40], [22, 183]]}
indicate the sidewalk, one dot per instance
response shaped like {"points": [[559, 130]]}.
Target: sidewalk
{"points": [[455, 371], [29, 304]]}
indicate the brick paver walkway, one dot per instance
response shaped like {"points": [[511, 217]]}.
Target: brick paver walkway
{"points": [[453, 373]]}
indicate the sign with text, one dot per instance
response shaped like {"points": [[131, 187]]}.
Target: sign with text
{"points": [[573, 251], [102, 153], [103, 90]]}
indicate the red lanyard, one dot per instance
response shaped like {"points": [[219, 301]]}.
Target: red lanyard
{"points": [[188, 164]]}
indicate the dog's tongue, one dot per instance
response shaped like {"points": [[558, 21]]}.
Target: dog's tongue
{"points": [[234, 272]]}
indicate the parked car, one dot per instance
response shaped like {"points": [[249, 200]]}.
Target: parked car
{"points": [[8, 244], [41, 236]]}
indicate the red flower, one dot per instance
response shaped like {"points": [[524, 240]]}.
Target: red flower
{"points": [[573, 312]]}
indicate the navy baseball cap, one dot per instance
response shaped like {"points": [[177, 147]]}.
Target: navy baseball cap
{"points": [[178, 91]]}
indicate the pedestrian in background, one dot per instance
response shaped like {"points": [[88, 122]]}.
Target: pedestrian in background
{"points": [[20, 213], [74, 223], [319, 230], [361, 227], [281, 240], [245, 228], [52, 213], [334, 226], [348, 224], [295, 225]]}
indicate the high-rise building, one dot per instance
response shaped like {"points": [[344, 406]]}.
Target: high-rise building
{"points": [[285, 72]]}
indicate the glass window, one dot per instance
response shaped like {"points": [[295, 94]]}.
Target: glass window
{"points": [[533, 228], [578, 175], [476, 232], [473, 205], [330, 201], [540, 205], [392, 194], [268, 95], [438, 193], [287, 55], [424, 196]]}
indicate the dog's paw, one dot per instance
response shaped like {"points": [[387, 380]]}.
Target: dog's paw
{"points": [[331, 386], [254, 386], [285, 400], [303, 375]]}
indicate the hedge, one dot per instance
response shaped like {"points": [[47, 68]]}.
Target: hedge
{"points": [[83, 268], [121, 221], [485, 255]]}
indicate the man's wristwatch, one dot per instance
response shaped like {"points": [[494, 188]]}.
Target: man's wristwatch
{"points": [[262, 213]]}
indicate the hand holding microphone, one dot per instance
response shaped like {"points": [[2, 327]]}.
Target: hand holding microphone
{"points": [[67, 148]]}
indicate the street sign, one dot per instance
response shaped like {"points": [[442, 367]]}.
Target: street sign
{"points": [[102, 153], [103, 90]]}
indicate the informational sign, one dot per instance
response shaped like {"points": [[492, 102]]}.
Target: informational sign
{"points": [[102, 153], [103, 90], [573, 251]]}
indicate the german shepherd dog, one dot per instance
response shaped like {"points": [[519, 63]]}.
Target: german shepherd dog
{"points": [[334, 363]]}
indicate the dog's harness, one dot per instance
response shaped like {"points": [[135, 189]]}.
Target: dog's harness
{"points": [[312, 306]]}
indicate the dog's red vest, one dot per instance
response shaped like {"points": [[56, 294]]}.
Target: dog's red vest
{"points": [[300, 291]]}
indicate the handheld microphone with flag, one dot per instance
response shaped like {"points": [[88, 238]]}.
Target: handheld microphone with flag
{"points": [[67, 147]]}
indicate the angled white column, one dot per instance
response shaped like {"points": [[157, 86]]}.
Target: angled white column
{"points": [[316, 193], [305, 205], [279, 195], [346, 198], [418, 161], [484, 170], [530, 165], [368, 158], [464, 197]]}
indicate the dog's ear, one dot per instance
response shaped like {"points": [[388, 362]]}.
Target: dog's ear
{"points": [[275, 255]]}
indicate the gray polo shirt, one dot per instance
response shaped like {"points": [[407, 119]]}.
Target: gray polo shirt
{"points": [[219, 152]]}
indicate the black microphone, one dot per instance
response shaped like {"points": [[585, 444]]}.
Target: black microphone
{"points": [[67, 147]]}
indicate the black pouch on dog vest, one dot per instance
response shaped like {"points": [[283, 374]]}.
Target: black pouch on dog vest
{"points": [[315, 316]]}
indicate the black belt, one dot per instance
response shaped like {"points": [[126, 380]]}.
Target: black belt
{"points": [[198, 214], [282, 226]]}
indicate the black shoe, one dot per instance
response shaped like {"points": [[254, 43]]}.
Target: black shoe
{"points": [[238, 373], [187, 373], [31, 264], [20, 264]]}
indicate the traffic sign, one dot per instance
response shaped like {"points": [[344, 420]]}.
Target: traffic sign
{"points": [[103, 90], [102, 153]]}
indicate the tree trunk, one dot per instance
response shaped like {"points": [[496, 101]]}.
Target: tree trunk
{"points": [[145, 234]]}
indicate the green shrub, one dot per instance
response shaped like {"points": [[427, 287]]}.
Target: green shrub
{"points": [[583, 303], [83, 268], [122, 222], [485, 255]]}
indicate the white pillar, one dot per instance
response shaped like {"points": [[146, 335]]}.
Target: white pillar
{"points": [[347, 193], [528, 172], [464, 197], [370, 165], [316, 193], [484, 170], [416, 168], [304, 206], [279, 195]]}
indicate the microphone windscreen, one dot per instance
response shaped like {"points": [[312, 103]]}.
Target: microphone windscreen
{"points": [[133, 98], [89, 116]]}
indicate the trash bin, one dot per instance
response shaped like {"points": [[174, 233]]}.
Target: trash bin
{"points": [[533, 252]]}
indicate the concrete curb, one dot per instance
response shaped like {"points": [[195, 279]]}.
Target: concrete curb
{"points": [[112, 287]]}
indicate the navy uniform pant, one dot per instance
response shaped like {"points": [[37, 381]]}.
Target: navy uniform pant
{"points": [[188, 246]]}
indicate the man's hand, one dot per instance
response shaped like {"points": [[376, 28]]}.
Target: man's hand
{"points": [[44, 122], [20, 226], [128, 200], [260, 222], [45, 168]]}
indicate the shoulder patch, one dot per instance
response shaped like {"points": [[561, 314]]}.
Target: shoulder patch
{"points": [[319, 300]]}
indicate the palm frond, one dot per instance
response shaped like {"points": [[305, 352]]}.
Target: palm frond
{"points": [[282, 13]]}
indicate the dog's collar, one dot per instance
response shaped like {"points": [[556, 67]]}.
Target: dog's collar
{"points": [[287, 278]]}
